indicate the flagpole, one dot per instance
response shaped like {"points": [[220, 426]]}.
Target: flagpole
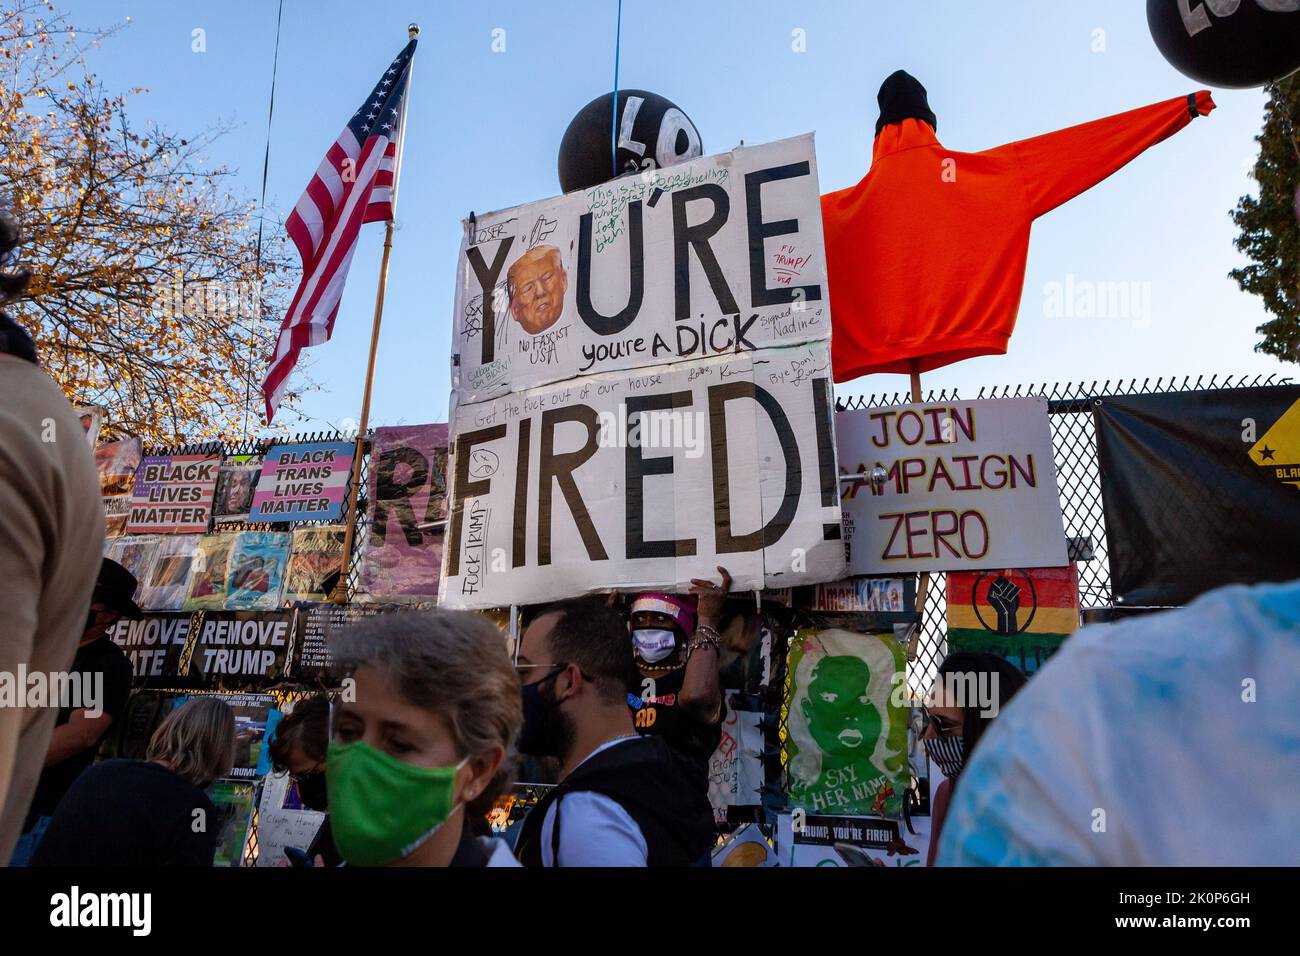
{"points": [[923, 584], [340, 595]]}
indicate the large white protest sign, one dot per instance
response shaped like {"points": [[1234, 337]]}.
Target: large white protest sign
{"points": [[969, 485], [648, 479], [719, 255]]}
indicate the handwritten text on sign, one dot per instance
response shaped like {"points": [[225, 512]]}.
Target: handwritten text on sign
{"points": [[967, 485], [647, 479], [720, 255]]}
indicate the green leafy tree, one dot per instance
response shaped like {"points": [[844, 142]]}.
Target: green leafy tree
{"points": [[1270, 224]]}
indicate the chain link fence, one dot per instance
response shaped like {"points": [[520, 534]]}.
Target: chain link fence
{"points": [[1074, 443]]}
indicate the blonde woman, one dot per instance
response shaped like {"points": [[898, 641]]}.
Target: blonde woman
{"points": [[422, 740], [150, 812]]}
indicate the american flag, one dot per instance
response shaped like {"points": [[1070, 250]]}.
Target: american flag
{"points": [[355, 183]]}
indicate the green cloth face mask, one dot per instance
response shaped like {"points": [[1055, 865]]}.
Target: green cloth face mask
{"points": [[381, 808]]}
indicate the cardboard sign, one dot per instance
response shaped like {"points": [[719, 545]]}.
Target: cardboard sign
{"points": [[970, 485], [173, 494], [646, 480], [305, 481], [281, 824], [1022, 614], [716, 256]]}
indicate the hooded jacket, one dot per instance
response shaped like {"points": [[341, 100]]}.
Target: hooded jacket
{"points": [[926, 255]]}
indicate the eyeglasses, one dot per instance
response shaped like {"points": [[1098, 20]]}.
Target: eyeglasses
{"points": [[943, 727]]}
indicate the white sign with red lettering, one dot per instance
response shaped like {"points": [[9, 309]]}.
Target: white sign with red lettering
{"points": [[967, 485]]}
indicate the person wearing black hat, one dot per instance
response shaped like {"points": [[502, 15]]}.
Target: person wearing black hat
{"points": [[105, 678]]}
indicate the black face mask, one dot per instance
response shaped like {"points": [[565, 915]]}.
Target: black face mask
{"points": [[542, 734], [311, 788]]}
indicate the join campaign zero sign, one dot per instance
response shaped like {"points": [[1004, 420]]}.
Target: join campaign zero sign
{"points": [[644, 387], [967, 485]]}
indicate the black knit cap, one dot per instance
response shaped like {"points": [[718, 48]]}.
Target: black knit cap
{"points": [[902, 97]]}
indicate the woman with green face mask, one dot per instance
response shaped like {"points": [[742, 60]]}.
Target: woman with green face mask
{"points": [[421, 740]]}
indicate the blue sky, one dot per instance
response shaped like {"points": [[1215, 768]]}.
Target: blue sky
{"points": [[484, 129]]}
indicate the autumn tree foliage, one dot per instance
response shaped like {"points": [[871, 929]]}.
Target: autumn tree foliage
{"points": [[1270, 224], [147, 295]]}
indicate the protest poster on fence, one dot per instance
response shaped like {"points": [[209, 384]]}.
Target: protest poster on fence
{"points": [[303, 481], [1022, 614], [173, 494], [153, 644], [137, 554], [257, 566], [253, 645], [236, 482], [233, 802], [1201, 489], [648, 479], [210, 572], [315, 563], [402, 557], [967, 485], [165, 585], [715, 256], [846, 741], [91, 418], [117, 463]]}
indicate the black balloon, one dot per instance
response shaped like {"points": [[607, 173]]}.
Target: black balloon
{"points": [[1228, 43], [652, 133]]}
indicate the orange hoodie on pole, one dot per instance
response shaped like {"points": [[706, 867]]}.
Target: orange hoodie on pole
{"points": [[926, 255]]}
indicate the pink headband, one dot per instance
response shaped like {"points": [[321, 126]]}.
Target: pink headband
{"points": [[680, 609]]}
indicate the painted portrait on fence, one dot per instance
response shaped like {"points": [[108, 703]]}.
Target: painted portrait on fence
{"points": [[846, 747]]}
